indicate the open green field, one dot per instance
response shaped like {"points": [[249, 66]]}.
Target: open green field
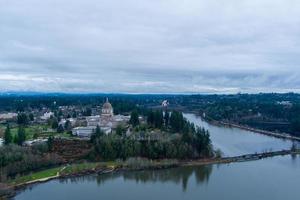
{"points": [[34, 131], [36, 175], [75, 168], [31, 131], [85, 166], [63, 170]]}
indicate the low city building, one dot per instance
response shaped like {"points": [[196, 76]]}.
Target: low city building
{"points": [[8, 116], [87, 131], [93, 120], [47, 115], [71, 120], [285, 103], [84, 131]]}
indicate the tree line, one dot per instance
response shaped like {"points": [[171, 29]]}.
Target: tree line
{"points": [[16, 160], [190, 141], [17, 139]]}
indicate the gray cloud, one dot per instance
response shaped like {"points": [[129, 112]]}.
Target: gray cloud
{"points": [[153, 46]]}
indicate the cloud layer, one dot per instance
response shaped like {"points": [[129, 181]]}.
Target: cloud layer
{"points": [[157, 46]]}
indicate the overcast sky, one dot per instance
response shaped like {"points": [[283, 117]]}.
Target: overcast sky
{"points": [[150, 46]]}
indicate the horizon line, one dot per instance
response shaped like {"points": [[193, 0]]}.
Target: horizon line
{"points": [[131, 93]]}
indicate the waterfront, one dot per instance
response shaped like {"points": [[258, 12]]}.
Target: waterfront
{"points": [[235, 141], [271, 178], [247, 180]]}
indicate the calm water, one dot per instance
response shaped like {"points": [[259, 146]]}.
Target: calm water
{"points": [[272, 178], [234, 141]]}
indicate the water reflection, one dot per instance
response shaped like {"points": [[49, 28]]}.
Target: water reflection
{"points": [[274, 178], [178, 176]]}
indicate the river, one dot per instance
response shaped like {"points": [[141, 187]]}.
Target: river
{"points": [[272, 178], [235, 141]]}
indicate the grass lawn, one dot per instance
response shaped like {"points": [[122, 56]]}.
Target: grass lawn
{"points": [[79, 167], [74, 168], [64, 134], [36, 175], [30, 130], [39, 131]]}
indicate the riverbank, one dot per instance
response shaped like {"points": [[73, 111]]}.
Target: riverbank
{"points": [[133, 164], [269, 133], [247, 128], [10, 188]]}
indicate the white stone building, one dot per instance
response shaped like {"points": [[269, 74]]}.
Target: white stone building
{"points": [[83, 131], [107, 118], [71, 120], [87, 131], [93, 120], [47, 115], [107, 109], [106, 121]]}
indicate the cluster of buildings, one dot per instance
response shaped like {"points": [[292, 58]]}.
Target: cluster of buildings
{"points": [[106, 121], [81, 126], [8, 116], [285, 103]]}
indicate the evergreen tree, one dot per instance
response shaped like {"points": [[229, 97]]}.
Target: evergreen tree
{"points": [[98, 131], [175, 121], [158, 119], [60, 129], [22, 119], [74, 115], [60, 113], [150, 117], [54, 123], [87, 112], [50, 142], [31, 117], [15, 139], [186, 137], [68, 125], [120, 130], [97, 134], [166, 118], [134, 118], [7, 136], [21, 135]]}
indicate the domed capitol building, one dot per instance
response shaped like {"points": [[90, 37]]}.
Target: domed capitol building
{"points": [[107, 121], [107, 109]]}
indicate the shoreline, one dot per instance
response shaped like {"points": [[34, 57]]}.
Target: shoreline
{"points": [[263, 132], [280, 135], [158, 165]]}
